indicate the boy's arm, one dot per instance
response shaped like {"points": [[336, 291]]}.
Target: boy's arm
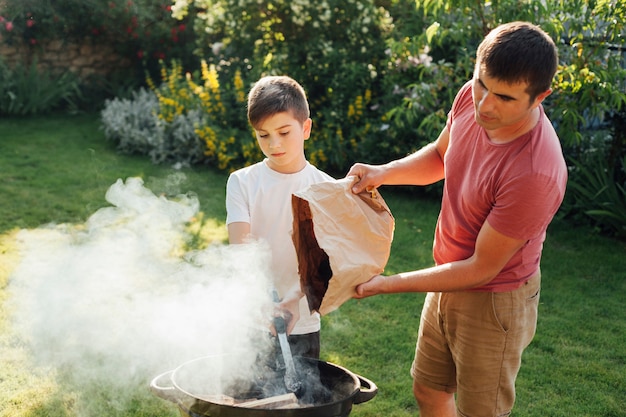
{"points": [[238, 232]]}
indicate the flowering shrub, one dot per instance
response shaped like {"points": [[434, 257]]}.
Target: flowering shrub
{"points": [[335, 49], [141, 30], [381, 76], [185, 118], [134, 126]]}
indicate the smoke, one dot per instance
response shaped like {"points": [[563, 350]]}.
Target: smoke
{"points": [[116, 300]]}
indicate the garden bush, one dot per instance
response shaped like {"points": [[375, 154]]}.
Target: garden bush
{"points": [[335, 49], [141, 32], [381, 75], [587, 106], [184, 119]]}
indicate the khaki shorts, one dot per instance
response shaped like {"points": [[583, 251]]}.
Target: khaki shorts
{"points": [[471, 343]]}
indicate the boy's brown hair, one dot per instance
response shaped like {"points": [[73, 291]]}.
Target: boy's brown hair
{"points": [[276, 94]]}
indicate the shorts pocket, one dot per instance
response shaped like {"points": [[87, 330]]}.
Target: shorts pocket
{"points": [[501, 308]]}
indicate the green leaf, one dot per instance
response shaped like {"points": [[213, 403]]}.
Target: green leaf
{"points": [[432, 31]]}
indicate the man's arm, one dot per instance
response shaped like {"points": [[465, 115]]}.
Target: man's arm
{"points": [[493, 251], [420, 168]]}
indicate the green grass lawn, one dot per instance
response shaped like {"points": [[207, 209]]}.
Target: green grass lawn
{"points": [[57, 170]]}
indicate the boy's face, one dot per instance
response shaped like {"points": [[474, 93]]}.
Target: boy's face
{"points": [[281, 138]]}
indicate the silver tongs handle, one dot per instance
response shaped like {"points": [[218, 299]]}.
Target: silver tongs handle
{"points": [[291, 378]]}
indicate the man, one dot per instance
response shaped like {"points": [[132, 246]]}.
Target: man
{"points": [[505, 178]]}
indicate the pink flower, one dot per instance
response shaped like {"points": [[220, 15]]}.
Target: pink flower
{"points": [[8, 26], [30, 23], [33, 41], [1, 19]]}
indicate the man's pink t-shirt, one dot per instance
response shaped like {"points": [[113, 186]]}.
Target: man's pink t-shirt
{"points": [[517, 187]]}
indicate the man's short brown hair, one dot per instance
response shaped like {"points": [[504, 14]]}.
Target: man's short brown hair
{"points": [[519, 52]]}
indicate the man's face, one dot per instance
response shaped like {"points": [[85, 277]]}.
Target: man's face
{"points": [[499, 105]]}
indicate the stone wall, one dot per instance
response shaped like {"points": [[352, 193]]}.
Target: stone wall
{"points": [[84, 59]]}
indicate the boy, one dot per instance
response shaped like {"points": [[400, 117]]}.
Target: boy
{"points": [[258, 197]]}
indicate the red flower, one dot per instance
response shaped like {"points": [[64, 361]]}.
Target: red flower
{"points": [[181, 28], [33, 41], [95, 31], [30, 23], [140, 54], [8, 26]]}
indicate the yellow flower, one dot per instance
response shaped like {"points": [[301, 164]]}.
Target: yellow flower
{"points": [[368, 95], [239, 87], [210, 140], [339, 134], [150, 83]]}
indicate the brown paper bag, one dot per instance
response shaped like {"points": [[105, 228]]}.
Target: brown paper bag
{"points": [[341, 240]]}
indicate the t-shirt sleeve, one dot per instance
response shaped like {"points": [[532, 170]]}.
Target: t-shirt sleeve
{"points": [[237, 206], [525, 206], [462, 100]]}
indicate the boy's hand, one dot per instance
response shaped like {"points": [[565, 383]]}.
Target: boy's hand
{"points": [[289, 309]]}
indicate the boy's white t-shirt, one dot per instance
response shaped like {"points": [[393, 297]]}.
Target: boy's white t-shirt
{"points": [[261, 197]]}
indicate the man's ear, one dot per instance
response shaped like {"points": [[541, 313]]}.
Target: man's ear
{"points": [[541, 97]]}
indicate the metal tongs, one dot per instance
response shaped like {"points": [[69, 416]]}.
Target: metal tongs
{"points": [[292, 382]]}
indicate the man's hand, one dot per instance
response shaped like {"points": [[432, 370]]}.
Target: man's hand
{"points": [[376, 285], [367, 177]]}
